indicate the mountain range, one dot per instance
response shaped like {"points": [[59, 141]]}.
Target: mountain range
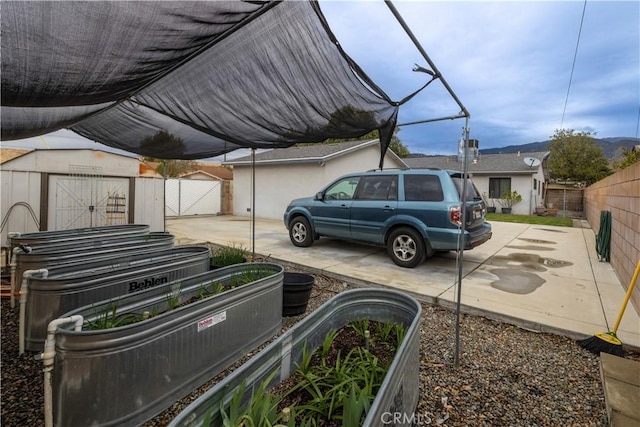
{"points": [[611, 147]]}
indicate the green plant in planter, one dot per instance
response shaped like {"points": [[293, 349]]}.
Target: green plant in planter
{"points": [[110, 318], [228, 255], [340, 391], [260, 411], [173, 300], [508, 199], [214, 288]]}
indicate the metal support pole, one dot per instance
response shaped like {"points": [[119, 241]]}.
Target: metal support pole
{"points": [[463, 227], [253, 205], [465, 175]]}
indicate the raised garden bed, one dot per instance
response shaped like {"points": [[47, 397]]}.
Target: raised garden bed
{"points": [[126, 374], [275, 364], [47, 294]]}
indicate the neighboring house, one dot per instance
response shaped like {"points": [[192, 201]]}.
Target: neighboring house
{"points": [[209, 171], [287, 173], [493, 174], [76, 188]]}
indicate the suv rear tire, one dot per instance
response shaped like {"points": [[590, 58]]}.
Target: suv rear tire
{"points": [[406, 247], [300, 232]]}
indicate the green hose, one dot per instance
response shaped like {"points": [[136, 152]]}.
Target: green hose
{"points": [[603, 239]]}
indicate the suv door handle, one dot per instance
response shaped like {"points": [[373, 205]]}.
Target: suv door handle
{"points": [[344, 207], [388, 209]]}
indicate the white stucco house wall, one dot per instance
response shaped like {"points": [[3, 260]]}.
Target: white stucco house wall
{"points": [[493, 173], [58, 189], [289, 173]]}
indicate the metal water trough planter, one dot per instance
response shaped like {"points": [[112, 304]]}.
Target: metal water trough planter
{"points": [[399, 391], [44, 256], [50, 293], [76, 234], [35, 246], [126, 375]]}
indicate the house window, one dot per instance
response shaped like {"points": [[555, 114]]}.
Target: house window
{"points": [[499, 186], [535, 184]]}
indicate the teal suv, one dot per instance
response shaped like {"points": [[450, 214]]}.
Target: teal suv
{"points": [[413, 213]]}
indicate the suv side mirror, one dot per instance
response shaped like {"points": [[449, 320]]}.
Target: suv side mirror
{"points": [[319, 195]]}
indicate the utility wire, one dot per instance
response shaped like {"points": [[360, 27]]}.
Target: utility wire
{"points": [[575, 55], [638, 122]]}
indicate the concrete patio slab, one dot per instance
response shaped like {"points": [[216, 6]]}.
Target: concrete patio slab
{"points": [[538, 277]]}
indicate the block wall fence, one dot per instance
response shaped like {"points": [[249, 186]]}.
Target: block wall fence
{"points": [[619, 194]]}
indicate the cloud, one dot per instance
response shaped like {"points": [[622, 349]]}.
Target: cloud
{"points": [[508, 62]]}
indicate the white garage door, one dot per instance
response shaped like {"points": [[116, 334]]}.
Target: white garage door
{"points": [[87, 201]]}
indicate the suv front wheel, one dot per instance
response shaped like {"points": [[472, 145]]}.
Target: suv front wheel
{"points": [[300, 232], [406, 247]]}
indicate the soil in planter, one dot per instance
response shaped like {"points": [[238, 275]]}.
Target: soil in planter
{"points": [[345, 340]]}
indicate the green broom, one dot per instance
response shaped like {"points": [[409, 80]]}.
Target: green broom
{"points": [[608, 342]]}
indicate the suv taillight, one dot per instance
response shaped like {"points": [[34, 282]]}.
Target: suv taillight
{"points": [[455, 215]]}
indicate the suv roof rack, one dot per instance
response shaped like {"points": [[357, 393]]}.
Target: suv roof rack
{"points": [[388, 169]]}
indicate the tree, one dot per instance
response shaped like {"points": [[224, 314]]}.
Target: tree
{"points": [[173, 168], [629, 157], [167, 144], [395, 145], [575, 156]]}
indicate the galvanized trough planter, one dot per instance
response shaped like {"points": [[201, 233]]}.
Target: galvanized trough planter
{"points": [[76, 234], [48, 293], [128, 374], [36, 247], [398, 393], [44, 256]]}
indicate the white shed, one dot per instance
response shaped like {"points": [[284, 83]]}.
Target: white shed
{"points": [[63, 189], [300, 171]]}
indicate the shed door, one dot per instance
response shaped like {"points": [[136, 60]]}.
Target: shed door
{"points": [[87, 201]]}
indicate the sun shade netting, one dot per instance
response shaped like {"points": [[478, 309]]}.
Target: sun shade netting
{"points": [[183, 80]]}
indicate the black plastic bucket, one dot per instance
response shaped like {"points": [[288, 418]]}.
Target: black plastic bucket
{"points": [[296, 290]]}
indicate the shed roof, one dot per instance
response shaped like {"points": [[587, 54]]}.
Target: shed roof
{"points": [[512, 163], [7, 154], [309, 153]]}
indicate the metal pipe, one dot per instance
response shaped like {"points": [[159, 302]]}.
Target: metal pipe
{"points": [[253, 204], [463, 227], [425, 56], [438, 119], [24, 290], [48, 358], [12, 267]]}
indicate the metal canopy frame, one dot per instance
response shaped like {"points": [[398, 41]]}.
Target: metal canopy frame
{"points": [[464, 113]]}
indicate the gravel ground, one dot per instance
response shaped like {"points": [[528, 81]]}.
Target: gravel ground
{"points": [[506, 375]]}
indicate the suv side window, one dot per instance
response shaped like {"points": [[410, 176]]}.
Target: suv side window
{"points": [[343, 189], [381, 187], [423, 188]]}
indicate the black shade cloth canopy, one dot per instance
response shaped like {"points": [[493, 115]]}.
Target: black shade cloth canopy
{"points": [[183, 80]]}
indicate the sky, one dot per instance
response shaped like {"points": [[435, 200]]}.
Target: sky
{"points": [[512, 64]]}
